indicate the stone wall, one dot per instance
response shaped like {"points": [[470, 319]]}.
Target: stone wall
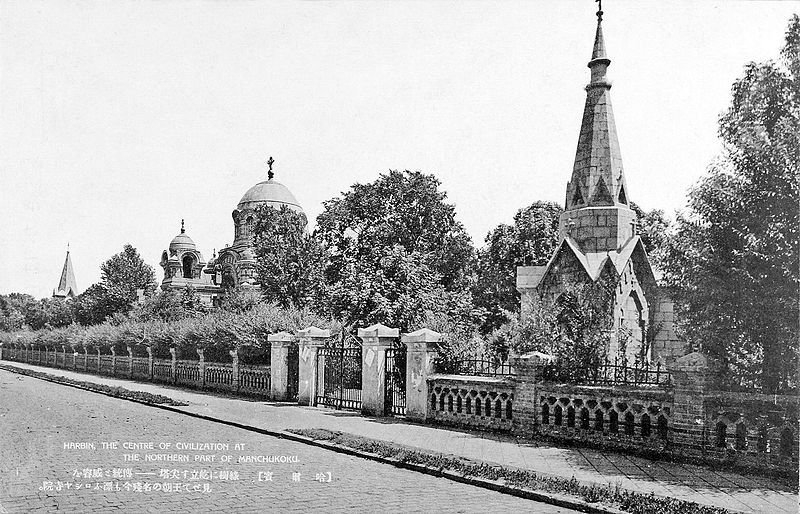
{"points": [[475, 402]]}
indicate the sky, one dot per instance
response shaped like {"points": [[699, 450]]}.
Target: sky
{"points": [[118, 119]]}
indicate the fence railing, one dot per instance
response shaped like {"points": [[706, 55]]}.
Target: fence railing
{"points": [[607, 372], [474, 367]]}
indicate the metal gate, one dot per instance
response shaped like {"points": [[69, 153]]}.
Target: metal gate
{"points": [[339, 373], [395, 400], [293, 375]]}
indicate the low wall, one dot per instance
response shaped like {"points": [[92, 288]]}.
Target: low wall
{"points": [[475, 402]]}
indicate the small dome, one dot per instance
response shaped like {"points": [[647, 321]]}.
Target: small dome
{"points": [[182, 242], [271, 193]]}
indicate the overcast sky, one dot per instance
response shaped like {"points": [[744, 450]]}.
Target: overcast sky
{"points": [[117, 119]]}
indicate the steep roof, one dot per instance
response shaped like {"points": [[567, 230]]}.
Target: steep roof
{"points": [[597, 174], [66, 285]]}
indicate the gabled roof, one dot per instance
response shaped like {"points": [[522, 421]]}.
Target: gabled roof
{"points": [[594, 262]]}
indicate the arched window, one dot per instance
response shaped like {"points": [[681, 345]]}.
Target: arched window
{"points": [[571, 416], [188, 264], [722, 434], [557, 414], [741, 437], [545, 414], [613, 422]]}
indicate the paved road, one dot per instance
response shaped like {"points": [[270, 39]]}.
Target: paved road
{"points": [[51, 438]]}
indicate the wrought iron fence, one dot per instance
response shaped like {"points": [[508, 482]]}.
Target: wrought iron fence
{"points": [[607, 372], [474, 367]]}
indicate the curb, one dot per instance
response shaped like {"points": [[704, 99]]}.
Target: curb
{"points": [[498, 486]]}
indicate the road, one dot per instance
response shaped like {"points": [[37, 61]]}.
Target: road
{"points": [[68, 450]]}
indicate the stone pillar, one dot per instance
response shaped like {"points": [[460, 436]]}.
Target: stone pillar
{"points": [[74, 357], [99, 367], [526, 397], [130, 361], [85, 359], [376, 340], [279, 365], [311, 339], [113, 361], [149, 362], [423, 346], [693, 376], [235, 356], [174, 368], [202, 366]]}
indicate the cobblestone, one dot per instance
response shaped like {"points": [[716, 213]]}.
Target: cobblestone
{"points": [[37, 418]]}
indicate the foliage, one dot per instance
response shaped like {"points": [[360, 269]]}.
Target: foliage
{"points": [[654, 230], [289, 260], [395, 251], [733, 263], [574, 328], [122, 277], [530, 241]]}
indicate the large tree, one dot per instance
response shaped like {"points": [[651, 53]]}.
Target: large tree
{"points": [[393, 245], [530, 241], [123, 276], [734, 260], [289, 259]]}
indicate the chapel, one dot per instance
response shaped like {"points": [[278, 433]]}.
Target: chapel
{"points": [[598, 235]]}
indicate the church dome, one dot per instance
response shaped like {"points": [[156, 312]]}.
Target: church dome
{"points": [[182, 242], [269, 192]]}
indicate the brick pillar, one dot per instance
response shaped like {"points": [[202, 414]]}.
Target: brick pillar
{"points": [[149, 362], [235, 356], [279, 365], [526, 392], [423, 347], [113, 361], [376, 340], [311, 339], [201, 354], [130, 361], [693, 376], [174, 368]]}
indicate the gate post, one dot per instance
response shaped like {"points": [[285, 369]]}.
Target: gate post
{"points": [[130, 361], [113, 361], [422, 348], [526, 391], [99, 367], [235, 366], [174, 364], [202, 366], [311, 339], [279, 365], [376, 340], [149, 362]]}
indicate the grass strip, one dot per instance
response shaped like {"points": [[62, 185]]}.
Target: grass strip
{"points": [[116, 391], [612, 496]]}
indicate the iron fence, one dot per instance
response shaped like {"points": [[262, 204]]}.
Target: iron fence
{"points": [[474, 367], [616, 372]]}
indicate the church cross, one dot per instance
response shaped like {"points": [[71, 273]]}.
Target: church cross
{"points": [[270, 173], [599, 9]]}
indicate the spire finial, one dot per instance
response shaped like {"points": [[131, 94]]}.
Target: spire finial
{"points": [[67, 246], [270, 162], [599, 10], [183, 230]]}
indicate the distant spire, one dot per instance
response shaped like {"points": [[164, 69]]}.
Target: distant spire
{"points": [[66, 285], [183, 229], [270, 173], [597, 175]]}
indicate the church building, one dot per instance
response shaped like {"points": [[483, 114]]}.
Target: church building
{"points": [[235, 265], [598, 235], [67, 288]]}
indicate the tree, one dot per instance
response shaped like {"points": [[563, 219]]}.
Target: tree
{"points": [[733, 263], [289, 259], [395, 251], [122, 277], [15, 310], [654, 229], [529, 242]]}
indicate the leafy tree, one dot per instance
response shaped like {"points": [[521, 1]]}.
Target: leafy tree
{"points": [[122, 277], [530, 241], [734, 260], [395, 251], [654, 229], [289, 259], [15, 309]]}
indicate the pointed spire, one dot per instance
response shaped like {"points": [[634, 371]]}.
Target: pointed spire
{"points": [[66, 285], [597, 175]]}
